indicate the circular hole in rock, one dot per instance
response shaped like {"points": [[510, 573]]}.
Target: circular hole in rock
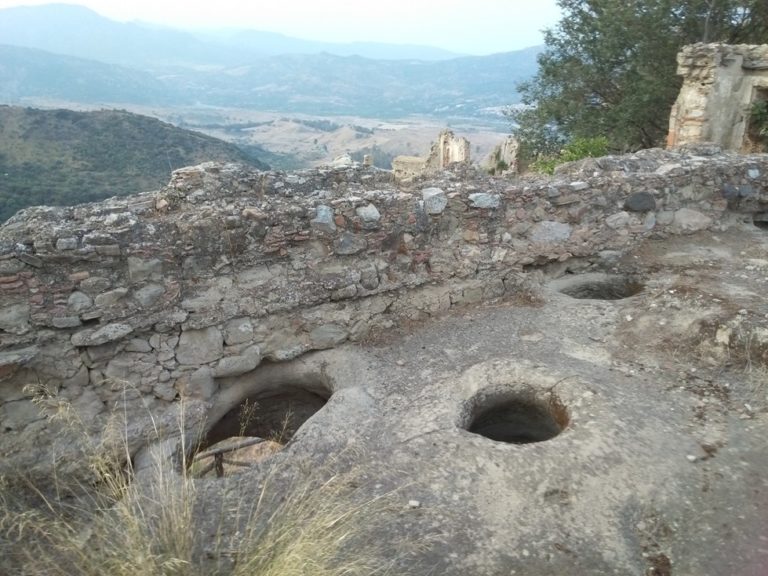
{"points": [[274, 415], [521, 418], [260, 425], [761, 220], [598, 287]]}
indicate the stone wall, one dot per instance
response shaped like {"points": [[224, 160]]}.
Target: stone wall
{"points": [[446, 151], [113, 313], [503, 159], [720, 82]]}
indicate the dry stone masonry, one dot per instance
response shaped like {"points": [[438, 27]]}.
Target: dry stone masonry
{"points": [[122, 314]]}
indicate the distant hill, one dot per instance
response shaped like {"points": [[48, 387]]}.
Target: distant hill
{"points": [[328, 84], [77, 31], [61, 157], [31, 73], [59, 51], [321, 84], [258, 42]]}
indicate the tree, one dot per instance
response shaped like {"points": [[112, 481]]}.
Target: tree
{"points": [[609, 67]]}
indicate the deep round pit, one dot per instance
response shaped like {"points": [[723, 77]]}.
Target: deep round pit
{"points": [[761, 220], [272, 415], [522, 418], [598, 286]]}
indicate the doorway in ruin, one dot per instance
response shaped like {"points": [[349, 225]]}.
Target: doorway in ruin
{"points": [[756, 136]]}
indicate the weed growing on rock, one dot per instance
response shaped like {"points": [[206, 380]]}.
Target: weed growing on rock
{"points": [[246, 415]]}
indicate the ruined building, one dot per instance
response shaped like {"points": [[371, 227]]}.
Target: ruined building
{"points": [[720, 85], [560, 375], [447, 150], [580, 412], [503, 158]]}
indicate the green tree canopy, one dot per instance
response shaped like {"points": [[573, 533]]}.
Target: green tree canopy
{"points": [[609, 67]]}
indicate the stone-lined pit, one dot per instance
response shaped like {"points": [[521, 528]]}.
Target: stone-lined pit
{"points": [[273, 415], [256, 414], [517, 417], [597, 286]]}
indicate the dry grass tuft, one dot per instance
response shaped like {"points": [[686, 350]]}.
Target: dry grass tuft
{"points": [[322, 529], [322, 523]]}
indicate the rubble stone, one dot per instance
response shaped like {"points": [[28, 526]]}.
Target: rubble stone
{"points": [[640, 202], [238, 331], [198, 347], [14, 318], [689, 220], [483, 200], [324, 219], [199, 384], [435, 200], [79, 302], [549, 232], [108, 333], [237, 365]]}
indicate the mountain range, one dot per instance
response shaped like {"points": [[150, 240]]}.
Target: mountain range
{"points": [[69, 53], [78, 31]]}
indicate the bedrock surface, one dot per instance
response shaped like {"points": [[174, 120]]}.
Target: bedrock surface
{"points": [[662, 464]]}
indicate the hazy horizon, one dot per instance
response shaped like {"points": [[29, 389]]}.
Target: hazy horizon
{"points": [[478, 27]]}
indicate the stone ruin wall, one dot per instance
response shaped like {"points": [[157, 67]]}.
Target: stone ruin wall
{"points": [[503, 158], [122, 309], [446, 151], [720, 83]]}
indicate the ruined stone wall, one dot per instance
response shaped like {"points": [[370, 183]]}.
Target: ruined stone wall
{"points": [[445, 151], [448, 150], [408, 167], [503, 158], [117, 311], [720, 82]]}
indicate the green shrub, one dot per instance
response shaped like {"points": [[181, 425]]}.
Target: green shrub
{"points": [[758, 119], [576, 149], [584, 148]]}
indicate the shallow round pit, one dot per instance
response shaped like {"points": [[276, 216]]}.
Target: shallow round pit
{"points": [[272, 415], [517, 418], [597, 286]]}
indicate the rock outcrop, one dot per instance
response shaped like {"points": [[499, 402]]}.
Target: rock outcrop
{"points": [[122, 309]]}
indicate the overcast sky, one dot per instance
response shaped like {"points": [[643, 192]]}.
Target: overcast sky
{"points": [[465, 26]]}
